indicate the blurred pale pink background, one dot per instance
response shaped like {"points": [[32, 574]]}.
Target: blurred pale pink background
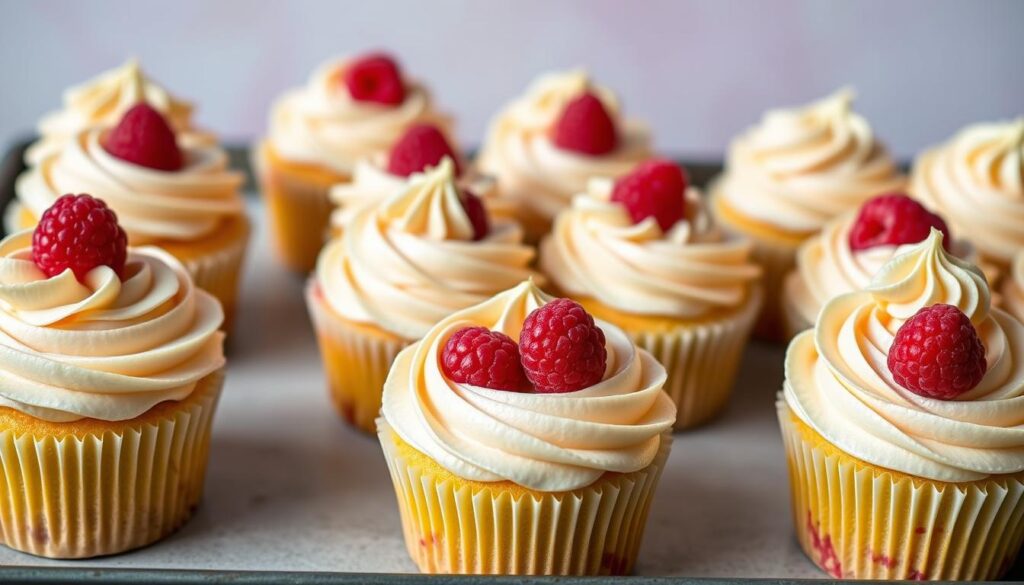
{"points": [[698, 71]]}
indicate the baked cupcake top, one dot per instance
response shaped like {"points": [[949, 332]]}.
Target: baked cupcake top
{"points": [[409, 261], [852, 248], [917, 373], [611, 246], [350, 109], [101, 102], [541, 440], [102, 341], [162, 188], [800, 167], [976, 180], [546, 145]]}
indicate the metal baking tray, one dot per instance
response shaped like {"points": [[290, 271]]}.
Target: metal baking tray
{"points": [[294, 495]]}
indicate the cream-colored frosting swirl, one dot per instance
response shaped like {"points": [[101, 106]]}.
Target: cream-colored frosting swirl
{"points": [[529, 167], [151, 205], [107, 349], [838, 381], [1013, 287], [101, 101], [409, 261], [544, 442], [322, 124], [976, 181], [595, 250], [801, 167]]}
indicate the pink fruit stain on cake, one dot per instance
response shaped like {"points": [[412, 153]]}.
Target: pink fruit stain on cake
{"points": [[894, 219], [920, 530], [915, 575], [828, 560], [585, 127], [144, 138], [429, 540], [937, 353], [883, 559], [375, 78], [422, 146], [655, 188]]}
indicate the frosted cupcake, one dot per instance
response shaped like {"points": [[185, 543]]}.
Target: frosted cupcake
{"points": [[350, 110], [536, 457], [641, 253], [397, 269], [1013, 287], [102, 101], [976, 180], [901, 413], [112, 367], [851, 249], [546, 145], [788, 176], [170, 193]]}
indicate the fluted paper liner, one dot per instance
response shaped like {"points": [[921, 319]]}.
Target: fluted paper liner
{"points": [[702, 361], [459, 526], [356, 361], [97, 493], [859, 521]]}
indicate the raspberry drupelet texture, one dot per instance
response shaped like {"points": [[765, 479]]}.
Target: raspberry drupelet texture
{"points": [[477, 214], [79, 232], [655, 188], [937, 353], [143, 137], [585, 127], [894, 219], [485, 358], [375, 78], [563, 349], [422, 146]]}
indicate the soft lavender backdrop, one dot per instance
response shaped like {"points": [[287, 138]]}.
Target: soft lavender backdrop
{"points": [[699, 71]]}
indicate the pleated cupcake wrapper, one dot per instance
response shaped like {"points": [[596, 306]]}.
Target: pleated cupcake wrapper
{"points": [[356, 364], [776, 259], [218, 273], [78, 496], [455, 527], [299, 213], [702, 361], [857, 521]]}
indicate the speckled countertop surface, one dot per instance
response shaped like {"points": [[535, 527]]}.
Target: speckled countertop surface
{"points": [[291, 488]]}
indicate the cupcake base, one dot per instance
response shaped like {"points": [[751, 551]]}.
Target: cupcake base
{"points": [[859, 521], [793, 319], [356, 360], [298, 206], [89, 488], [453, 525]]}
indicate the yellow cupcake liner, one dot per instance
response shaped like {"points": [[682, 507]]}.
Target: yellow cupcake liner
{"points": [[859, 521], [459, 526], [219, 273], [111, 488], [298, 208], [356, 360]]}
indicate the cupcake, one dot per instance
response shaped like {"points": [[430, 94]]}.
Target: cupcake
{"points": [[642, 254], [112, 367], [540, 457], [167, 192], [352, 109], [788, 176], [399, 267], [546, 145], [1013, 287], [101, 102], [976, 181], [901, 415], [851, 249]]}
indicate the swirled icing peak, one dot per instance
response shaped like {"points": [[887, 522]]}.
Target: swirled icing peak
{"points": [[545, 442]]}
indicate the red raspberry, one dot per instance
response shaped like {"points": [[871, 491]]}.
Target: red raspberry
{"points": [[563, 349], [485, 358], [422, 146], [894, 219], [78, 232], [477, 214], [144, 137], [375, 78], [655, 188], [585, 127], [937, 353]]}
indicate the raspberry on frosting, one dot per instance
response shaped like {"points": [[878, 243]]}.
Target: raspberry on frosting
{"points": [[375, 78], [79, 232], [894, 219], [585, 127], [143, 137], [563, 349], [937, 353], [655, 188], [477, 214], [485, 358], [422, 146]]}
